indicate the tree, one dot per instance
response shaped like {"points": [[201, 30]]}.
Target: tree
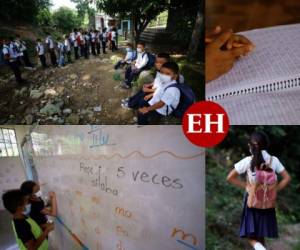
{"points": [[84, 8], [193, 51], [65, 19], [140, 12]]}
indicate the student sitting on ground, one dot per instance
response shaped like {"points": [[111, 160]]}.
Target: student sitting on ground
{"points": [[38, 210], [21, 45], [10, 58], [129, 58], [141, 64], [148, 89], [41, 52], [164, 97], [28, 233]]}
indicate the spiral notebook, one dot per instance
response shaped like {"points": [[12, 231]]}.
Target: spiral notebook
{"points": [[271, 71]]}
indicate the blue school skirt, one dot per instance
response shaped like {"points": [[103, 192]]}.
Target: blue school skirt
{"points": [[258, 222]]}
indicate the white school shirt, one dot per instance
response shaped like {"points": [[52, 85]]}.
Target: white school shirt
{"points": [[113, 36], [129, 56], [49, 42], [93, 37], [40, 49], [13, 51], [142, 60], [21, 46], [60, 47], [6, 51], [170, 97], [67, 45], [243, 166]]}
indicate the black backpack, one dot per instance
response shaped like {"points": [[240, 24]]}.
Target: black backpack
{"points": [[187, 98]]}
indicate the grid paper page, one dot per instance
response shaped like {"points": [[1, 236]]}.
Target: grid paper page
{"points": [[275, 59]]}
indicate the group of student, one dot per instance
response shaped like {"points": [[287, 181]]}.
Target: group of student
{"points": [[167, 95], [79, 42], [30, 213]]}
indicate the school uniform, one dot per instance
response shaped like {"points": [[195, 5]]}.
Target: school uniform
{"points": [[98, 43], [27, 229], [103, 38], [86, 46], [50, 44], [129, 58], [67, 46], [21, 45], [76, 45], [93, 43], [11, 55], [114, 41], [169, 95], [41, 52], [258, 222], [61, 52], [133, 72]]}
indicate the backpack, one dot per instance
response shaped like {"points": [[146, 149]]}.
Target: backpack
{"points": [[78, 40], [151, 61], [263, 194], [187, 98]]}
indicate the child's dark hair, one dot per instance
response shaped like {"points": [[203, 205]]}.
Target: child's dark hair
{"points": [[172, 66], [142, 43], [258, 141], [27, 187], [129, 45], [13, 199], [165, 56]]}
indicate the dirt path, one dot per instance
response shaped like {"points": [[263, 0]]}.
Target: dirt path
{"points": [[80, 93]]}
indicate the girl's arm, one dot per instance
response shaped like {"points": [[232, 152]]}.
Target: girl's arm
{"points": [[52, 211], [233, 178], [286, 178]]}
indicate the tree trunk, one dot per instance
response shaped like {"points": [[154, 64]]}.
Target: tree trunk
{"points": [[196, 37]]}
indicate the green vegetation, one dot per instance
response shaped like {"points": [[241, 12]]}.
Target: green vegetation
{"points": [[224, 202]]}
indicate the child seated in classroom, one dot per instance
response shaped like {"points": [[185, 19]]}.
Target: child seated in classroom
{"points": [[140, 65], [28, 233], [129, 58], [39, 210], [165, 98], [223, 49]]}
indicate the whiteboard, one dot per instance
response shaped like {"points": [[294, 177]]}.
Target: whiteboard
{"points": [[12, 174], [123, 187]]}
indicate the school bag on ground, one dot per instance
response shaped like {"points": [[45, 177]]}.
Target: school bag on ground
{"points": [[263, 194], [187, 98]]}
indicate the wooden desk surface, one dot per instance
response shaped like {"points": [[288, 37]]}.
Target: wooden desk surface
{"points": [[244, 15]]}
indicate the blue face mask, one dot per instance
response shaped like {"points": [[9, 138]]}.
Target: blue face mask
{"points": [[27, 209]]}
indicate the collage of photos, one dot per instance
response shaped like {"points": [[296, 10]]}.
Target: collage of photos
{"points": [[149, 125]]}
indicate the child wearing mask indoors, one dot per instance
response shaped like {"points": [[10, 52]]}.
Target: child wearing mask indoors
{"points": [[38, 209], [28, 233]]}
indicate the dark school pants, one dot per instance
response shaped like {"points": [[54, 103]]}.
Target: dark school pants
{"points": [[143, 119], [43, 60], [53, 57], [14, 66], [131, 74]]}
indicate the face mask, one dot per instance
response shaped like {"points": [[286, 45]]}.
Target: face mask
{"points": [[128, 49], [38, 194], [27, 209], [165, 78], [139, 50]]}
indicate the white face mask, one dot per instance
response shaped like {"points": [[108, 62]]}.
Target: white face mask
{"points": [[139, 50], [27, 209], [38, 194], [165, 78]]}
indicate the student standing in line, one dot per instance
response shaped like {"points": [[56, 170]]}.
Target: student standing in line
{"points": [[98, 42], [77, 44], [93, 42], [51, 49], [258, 223], [140, 65], [39, 211], [114, 40], [86, 38], [41, 52], [67, 45], [23, 51], [28, 233], [61, 53], [10, 58], [104, 40]]}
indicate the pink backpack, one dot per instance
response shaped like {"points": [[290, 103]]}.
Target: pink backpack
{"points": [[263, 194]]}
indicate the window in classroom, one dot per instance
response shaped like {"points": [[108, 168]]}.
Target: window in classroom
{"points": [[8, 143]]}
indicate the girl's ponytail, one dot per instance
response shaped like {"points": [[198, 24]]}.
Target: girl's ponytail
{"points": [[258, 141]]}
